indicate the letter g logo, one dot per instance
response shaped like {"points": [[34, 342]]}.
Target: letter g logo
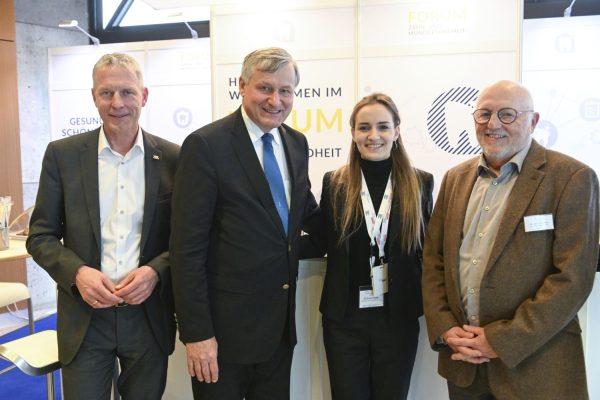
{"points": [[437, 123]]}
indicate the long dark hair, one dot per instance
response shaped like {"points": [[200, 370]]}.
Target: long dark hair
{"points": [[346, 185]]}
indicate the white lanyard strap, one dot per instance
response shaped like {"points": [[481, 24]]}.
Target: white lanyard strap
{"points": [[377, 224]]}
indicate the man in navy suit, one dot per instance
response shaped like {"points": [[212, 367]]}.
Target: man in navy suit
{"points": [[234, 242], [100, 228]]}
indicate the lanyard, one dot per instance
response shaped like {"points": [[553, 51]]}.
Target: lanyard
{"points": [[377, 224]]}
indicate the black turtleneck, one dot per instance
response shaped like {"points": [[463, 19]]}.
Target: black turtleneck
{"points": [[376, 175]]}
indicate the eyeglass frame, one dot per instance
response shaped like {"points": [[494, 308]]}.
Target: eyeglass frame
{"points": [[517, 114]]}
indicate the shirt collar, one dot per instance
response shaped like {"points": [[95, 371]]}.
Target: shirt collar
{"points": [[515, 162], [255, 132], [103, 144]]}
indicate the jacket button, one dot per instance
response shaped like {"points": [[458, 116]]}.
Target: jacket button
{"points": [[285, 286]]}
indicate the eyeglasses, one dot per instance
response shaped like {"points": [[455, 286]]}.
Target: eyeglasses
{"points": [[505, 115]]}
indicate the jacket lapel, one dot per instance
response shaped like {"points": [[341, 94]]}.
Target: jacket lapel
{"points": [[394, 224], [293, 159], [457, 204], [525, 187], [152, 160], [88, 161], [244, 149]]}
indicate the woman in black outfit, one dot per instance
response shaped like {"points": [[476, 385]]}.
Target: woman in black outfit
{"points": [[373, 214]]}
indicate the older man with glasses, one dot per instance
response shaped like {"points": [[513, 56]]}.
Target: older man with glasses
{"points": [[509, 259]]}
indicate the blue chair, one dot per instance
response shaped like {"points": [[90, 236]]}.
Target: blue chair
{"points": [[35, 354]]}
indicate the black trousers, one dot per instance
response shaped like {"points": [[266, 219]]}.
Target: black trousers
{"points": [[123, 333], [268, 380], [369, 359]]}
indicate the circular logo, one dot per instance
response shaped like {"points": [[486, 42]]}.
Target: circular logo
{"points": [[564, 43], [182, 117], [590, 109]]}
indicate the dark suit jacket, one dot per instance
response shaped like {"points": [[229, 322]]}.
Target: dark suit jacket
{"points": [[404, 272], [534, 283], [234, 268], [68, 209]]}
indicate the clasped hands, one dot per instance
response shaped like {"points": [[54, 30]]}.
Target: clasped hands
{"points": [[99, 291], [469, 344]]}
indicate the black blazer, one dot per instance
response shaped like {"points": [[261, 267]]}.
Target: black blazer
{"points": [[234, 268], [404, 272], [67, 208]]}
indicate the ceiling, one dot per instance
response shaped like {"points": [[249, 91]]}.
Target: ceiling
{"points": [[166, 4], [532, 8]]}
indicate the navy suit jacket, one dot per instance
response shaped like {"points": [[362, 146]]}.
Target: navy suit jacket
{"points": [[234, 267]]}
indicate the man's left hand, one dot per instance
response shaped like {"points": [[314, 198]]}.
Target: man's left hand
{"points": [[138, 285], [476, 350]]}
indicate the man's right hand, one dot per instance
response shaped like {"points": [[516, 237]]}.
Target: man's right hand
{"points": [[95, 288], [462, 344], [202, 360]]}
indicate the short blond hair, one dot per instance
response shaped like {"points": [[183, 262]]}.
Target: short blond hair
{"points": [[119, 60]]}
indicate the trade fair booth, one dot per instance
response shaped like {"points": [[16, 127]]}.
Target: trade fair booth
{"points": [[431, 57]]}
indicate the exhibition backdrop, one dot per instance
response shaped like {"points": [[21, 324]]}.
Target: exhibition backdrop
{"points": [[561, 66], [176, 72], [432, 57]]}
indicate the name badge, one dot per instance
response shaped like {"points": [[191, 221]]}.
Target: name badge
{"points": [[366, 298], [379, 279], [542, 222]]}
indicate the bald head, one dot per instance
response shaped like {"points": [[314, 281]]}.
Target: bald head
{"points": [[504, 121], [506, 90]]}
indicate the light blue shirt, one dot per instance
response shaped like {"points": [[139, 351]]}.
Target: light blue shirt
{"points": [[487, 204]]}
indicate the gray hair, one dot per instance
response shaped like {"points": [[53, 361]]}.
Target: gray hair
{"points": [[119, 60], [267, 60]]}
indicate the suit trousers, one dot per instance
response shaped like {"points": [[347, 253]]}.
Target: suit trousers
{"points": [[368, 357], [123, 333], [478, 390], [268, 380]]}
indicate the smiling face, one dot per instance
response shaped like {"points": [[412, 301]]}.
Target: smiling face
{"points": [[119, 97], [499, 141], [268, 97], [374, 132]]}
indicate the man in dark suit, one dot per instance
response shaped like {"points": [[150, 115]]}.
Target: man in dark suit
{"points": [[509, 259], [100, 228], [234, 241]]}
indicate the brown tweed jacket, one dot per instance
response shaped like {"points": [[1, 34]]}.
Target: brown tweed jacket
{"points": [[533, 285]]}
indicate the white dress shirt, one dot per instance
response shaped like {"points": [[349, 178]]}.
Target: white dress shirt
{"points": [[122, 189], [256, 137]]}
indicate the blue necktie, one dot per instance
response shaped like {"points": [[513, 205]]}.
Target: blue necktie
{"points": [[274, 178]]}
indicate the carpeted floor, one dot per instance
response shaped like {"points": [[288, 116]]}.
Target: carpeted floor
{"points": [[18, 386]]}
